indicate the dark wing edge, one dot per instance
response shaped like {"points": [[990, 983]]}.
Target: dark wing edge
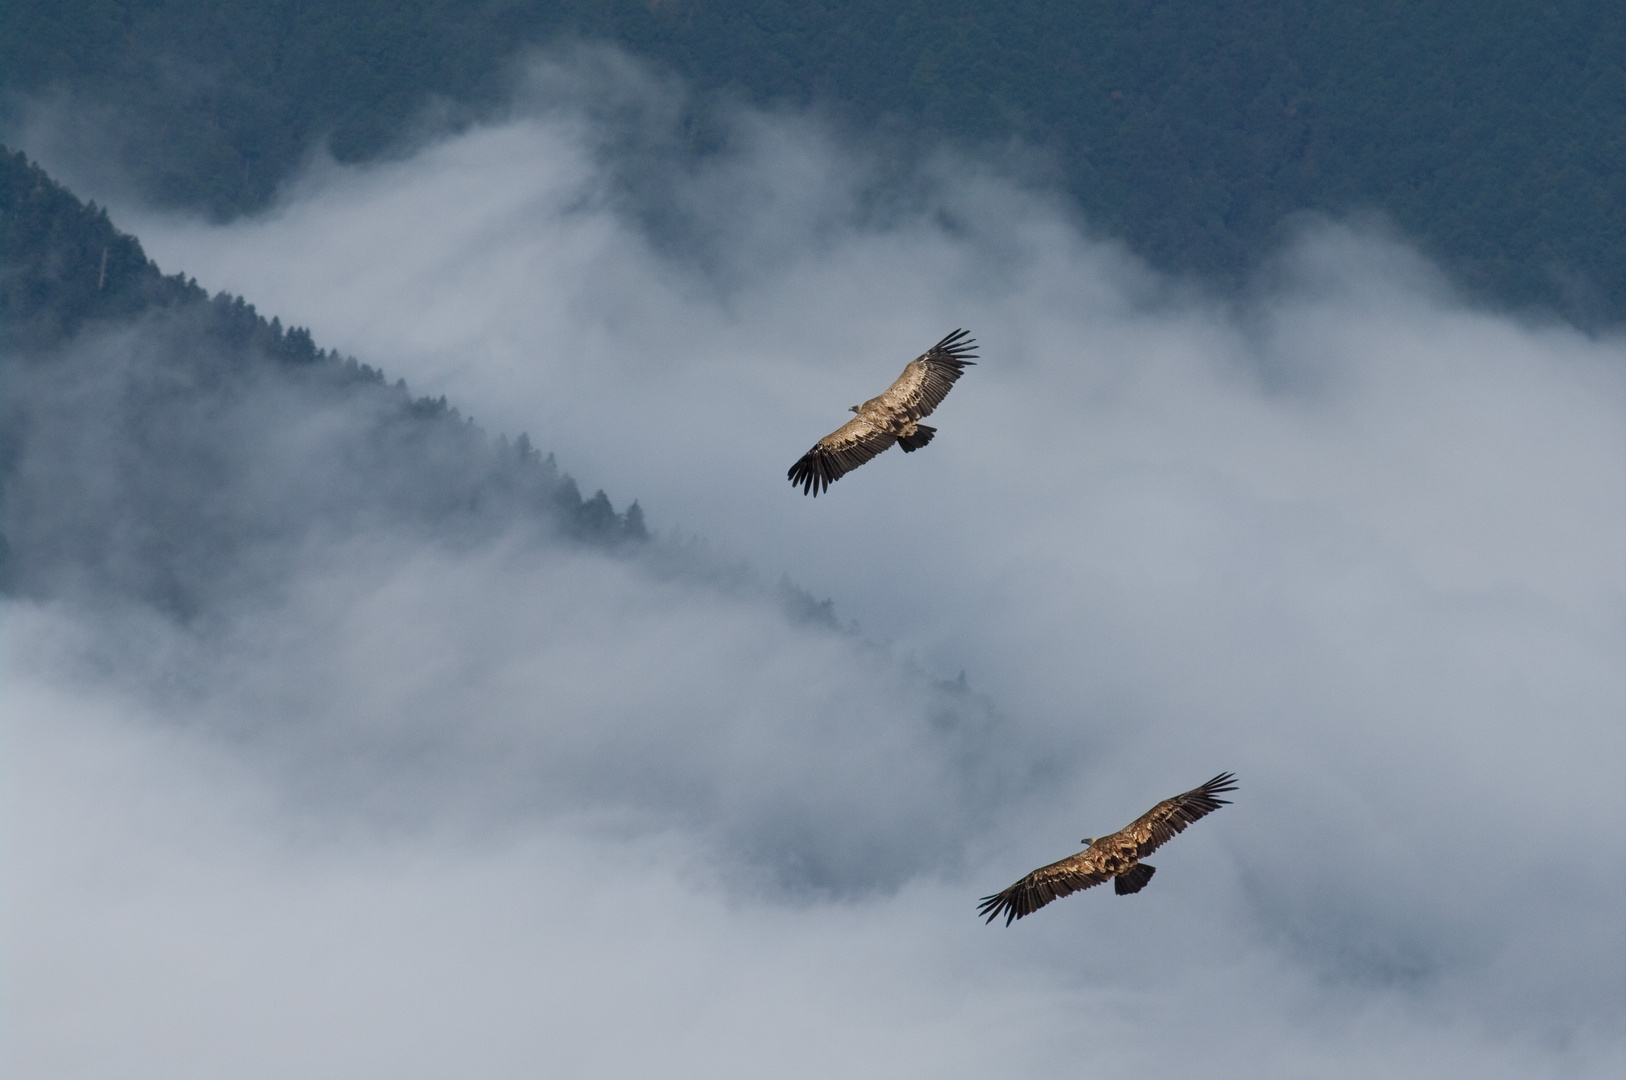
{"points": [[1037, 889], [953, 350], [927, 379], [823, 465], [1170, 817]]}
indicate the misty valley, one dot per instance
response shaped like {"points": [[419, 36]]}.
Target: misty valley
{"points": [[344, 735]]}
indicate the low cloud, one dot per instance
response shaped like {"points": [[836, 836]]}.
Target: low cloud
{"points": [[531, 805]]}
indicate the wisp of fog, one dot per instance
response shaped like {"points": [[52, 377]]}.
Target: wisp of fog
{"points": [[508, 805]]}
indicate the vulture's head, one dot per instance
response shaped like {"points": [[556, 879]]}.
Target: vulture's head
{"points": [[1087, 841], [852, 408]]}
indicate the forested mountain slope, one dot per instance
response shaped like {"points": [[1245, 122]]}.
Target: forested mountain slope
{"points": [[167, 446], [1491, 132], [213, 504]]}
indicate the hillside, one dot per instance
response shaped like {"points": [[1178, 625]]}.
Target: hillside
{"points": [[166, 446], [1492, 133]]}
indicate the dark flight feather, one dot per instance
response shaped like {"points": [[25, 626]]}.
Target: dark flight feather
{"points": [[1135, 880]]}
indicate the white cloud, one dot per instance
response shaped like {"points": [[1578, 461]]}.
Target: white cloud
{"points": [[174, 916], [1354, 539]]}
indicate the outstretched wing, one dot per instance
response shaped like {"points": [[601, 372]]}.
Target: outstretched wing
{"points": [[927, 379], [1170, 817], [839, 453], [1042, 886]]}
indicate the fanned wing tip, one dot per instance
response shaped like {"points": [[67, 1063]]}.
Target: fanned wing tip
{"points": [[809, 474], [992, 906], [1220, 783], [961, 351]]}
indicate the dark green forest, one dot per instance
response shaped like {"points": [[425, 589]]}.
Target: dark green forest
{"points": [[169, 447], [1490, 132]]}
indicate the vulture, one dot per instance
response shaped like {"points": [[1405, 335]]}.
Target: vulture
{"points": [[1114, 858], [894, 417]]}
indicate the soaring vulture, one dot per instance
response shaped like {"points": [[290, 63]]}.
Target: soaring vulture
{"points": [[1114, 858], [891, 418]]}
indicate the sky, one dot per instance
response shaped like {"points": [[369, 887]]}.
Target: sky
{"points": [[524, 808]]}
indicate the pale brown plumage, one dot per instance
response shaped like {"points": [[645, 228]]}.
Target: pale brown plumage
{"points": [[1111, 858], [891, 418]]}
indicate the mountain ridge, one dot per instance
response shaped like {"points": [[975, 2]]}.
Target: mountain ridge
{"points": [[1490, 133], [176, 419]]}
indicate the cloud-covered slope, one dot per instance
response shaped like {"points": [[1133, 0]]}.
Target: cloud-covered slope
{"points": [[172, 449], [1491, 131]]}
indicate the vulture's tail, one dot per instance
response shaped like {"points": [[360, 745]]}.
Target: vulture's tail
{"points": [[921, 437], [1135, 880]]}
